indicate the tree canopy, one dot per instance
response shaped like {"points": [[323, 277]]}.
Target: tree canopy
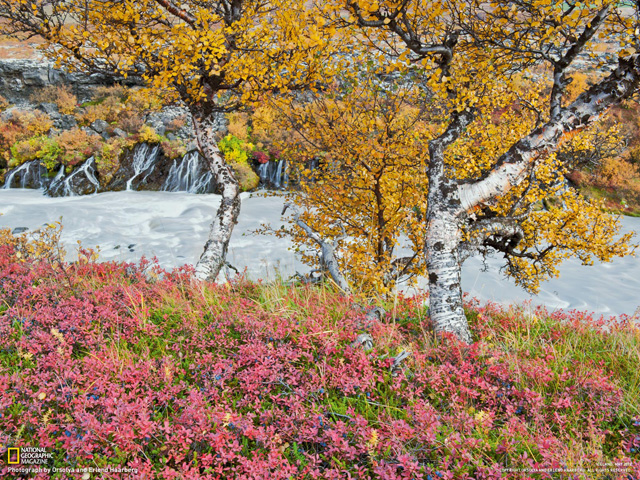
{"points": [[497, 129], [213, 55]]}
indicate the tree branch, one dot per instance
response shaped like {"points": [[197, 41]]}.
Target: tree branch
{"points": [[178, 12], [328, 256], [586, 109], [559, 67]]}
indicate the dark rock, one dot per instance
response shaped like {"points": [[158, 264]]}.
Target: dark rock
{"points": [[90, 131], [50, 109], [82, 181], [67, 122], [118, 132], [20, 79], [18, 230], [28, 175], [100, 125]]}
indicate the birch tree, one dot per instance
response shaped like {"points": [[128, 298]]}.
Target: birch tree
{"points": [[215, 55], [484, 176]]}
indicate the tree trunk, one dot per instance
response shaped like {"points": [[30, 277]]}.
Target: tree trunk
{"points": [[444, 268], [443, 238], [215, 250]]}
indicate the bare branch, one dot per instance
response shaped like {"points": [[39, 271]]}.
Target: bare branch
{"points": [[328, 256]]}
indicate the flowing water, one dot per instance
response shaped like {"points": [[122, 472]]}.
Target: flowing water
{"points": [[189, 175], [174, 226]]}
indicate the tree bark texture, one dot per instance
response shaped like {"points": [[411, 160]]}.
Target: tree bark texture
{"points": [[213, 257], [444, 268], [449, 201]]}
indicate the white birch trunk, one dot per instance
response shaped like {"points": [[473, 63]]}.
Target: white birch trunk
{"points": [[214, 255], [444, 267]]}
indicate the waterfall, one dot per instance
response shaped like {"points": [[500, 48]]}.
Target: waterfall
{"points": [[57, 182], [143, 162], [190, 174], [89, 172], [273, 174], [30, 173], [263, 172]]}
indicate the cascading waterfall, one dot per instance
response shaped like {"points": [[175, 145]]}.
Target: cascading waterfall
{"points": [[58, 182], [274, 173], [147, 168], [263, 172], [30, 174], [88, 170], [143, 162], [190, 174]]}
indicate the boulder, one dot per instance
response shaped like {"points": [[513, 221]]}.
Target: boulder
{"points": [[66, 122], [100, 125]]}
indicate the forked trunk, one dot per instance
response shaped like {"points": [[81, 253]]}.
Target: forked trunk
{"points": [[215, 250], [444, 267]]}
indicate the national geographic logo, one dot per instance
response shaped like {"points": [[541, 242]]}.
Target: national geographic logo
{"points": [[28, 456], [13, 456]]}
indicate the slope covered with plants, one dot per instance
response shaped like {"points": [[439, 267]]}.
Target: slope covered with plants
{"points": [[123, 366]]}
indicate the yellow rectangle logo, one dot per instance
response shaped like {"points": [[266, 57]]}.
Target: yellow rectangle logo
{"points": [[13, 455]]}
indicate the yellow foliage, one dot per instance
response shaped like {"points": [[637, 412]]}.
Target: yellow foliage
{"points": [[43, 243], [147, 134], [238, 125], [369, 179], [22, 125]]}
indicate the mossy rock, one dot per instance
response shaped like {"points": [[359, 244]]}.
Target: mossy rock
{"points": [[247, 178]]}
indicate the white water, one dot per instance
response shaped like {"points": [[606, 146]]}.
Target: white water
{"points": [[24, 170], [187, 175], [174, 226], [143, 161]]}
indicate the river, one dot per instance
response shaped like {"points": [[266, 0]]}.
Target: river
{"points": [[173, 227]]}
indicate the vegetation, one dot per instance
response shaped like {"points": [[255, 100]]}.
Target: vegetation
{"points": [[451, 124], [215, 56], [494, 123], [121, 365]]}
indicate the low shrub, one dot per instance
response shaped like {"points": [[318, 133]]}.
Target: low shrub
{"points": [[76, 146], [246, 177], [130, 121], [108, 157], [147, 134], [22, 125], [4, 104], [41, 147], [128, 366], [107, 109], [176, 124], [61, 95], [173, 149]]}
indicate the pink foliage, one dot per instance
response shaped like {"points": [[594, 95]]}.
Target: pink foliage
{"points": [[104, 361]]}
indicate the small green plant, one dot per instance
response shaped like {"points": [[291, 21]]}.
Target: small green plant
{"points": [[235, 150]]}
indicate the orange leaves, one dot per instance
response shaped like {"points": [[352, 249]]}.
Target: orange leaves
{"points": [[261, 47]]}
